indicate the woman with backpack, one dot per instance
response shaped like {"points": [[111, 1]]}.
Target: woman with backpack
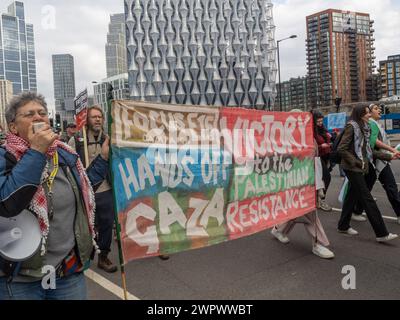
{"points": [[357, 159], [380, 141], [323, 139]]}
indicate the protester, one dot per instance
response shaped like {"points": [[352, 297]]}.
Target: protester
{"points": [[70, 132], [323, 139], [45, 176], [311, 221], [104, 199], [380, 141], [357, 157]]}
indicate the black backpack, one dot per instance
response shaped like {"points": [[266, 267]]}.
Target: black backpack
{"points": [[334, 156]]}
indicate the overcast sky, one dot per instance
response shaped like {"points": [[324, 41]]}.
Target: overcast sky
{"points": [[79, 27]]}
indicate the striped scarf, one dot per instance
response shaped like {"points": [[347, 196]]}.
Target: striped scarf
{"points": [[17, 147]]}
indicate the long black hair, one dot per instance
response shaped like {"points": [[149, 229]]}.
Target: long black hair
{"points": [[357, 114]]}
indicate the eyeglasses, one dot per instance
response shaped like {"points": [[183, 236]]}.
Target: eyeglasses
{"points": [[31, 114]]}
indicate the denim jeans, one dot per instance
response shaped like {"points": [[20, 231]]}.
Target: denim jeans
{"points": [[72, 287]]}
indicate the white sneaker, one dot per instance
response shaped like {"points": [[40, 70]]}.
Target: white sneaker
{"points": [[322, 252], [279, 235], [389, 237], [358, 217], [323, 205], [350, 231]]}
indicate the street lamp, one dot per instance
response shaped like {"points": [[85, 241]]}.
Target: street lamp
{"points": [[279, 69]]}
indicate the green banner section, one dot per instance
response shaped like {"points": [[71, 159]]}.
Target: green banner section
{"points": [[256, 184]]}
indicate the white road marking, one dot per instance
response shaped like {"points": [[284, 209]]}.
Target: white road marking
{"points": [[108, 285], [386, 217]]}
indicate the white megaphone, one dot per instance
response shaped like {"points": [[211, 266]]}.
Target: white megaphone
{"points": [[20, 236]]}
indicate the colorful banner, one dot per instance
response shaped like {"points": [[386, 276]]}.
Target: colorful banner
{"points": [[187, 177]]}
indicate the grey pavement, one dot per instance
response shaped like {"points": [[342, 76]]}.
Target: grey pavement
{"points": [[259, 267]]}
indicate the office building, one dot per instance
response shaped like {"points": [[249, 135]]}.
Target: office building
{"points": [[6, 93], [340, 56], [374, 91], [206, 52], [294, 94], [116, 46], [389, 71], [64, 85], [17, 49], [120, 91]]}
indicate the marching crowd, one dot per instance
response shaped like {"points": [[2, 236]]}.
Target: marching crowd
{"points": [[37, 166], [363, 152]]}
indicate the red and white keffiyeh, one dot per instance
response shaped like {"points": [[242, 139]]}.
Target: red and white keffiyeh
{"points": [[17, 147]]}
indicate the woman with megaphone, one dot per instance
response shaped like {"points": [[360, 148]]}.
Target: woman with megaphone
{"points": [[44, 177]]}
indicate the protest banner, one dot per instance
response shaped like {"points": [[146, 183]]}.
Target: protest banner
{"points": [[187, 177], [81, 105], [336, 120]]}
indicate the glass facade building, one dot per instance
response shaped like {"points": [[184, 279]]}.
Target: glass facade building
{"points": [[17, 49], [64, 85], [6, 93], [120, 91], [116, 46], [390, 76]]}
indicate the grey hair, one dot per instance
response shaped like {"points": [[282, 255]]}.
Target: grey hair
{"points": [[21, 100]]}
